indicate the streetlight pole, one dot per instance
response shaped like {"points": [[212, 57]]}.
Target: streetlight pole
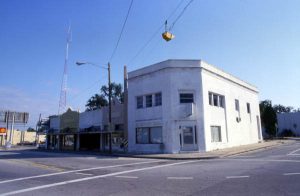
{"points": [[109, 100]]}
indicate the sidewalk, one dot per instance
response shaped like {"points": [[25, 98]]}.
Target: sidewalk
{"points": [[181, 156], [213, 154]]}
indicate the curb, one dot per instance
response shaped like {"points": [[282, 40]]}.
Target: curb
{"points": [[149, 156], [279, 143], [251, 150]]}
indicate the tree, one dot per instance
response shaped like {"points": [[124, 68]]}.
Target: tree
{"points": [[268, 117], [30, 129], [282, 109], [98, 101], [296, 110], [116, 91]]}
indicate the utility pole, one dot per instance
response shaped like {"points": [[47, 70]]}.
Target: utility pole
{"points": [[125, 104], [38, 125], [7, 119], [109, 109]]}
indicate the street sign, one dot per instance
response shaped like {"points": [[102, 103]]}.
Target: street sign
{"points": [[2, 130], [19, 117]]}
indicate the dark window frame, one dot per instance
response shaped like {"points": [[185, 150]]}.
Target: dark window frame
{"points": [[237, 105], [158, 99], [248, 108], [216, 100], [184, 98], [149, 135], [139, 102], [149, 102]]}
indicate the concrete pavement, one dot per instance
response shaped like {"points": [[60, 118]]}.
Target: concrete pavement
{"points": [[270, 171], [214, 154], [185, 156]]}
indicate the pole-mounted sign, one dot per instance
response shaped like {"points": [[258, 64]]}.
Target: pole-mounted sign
{"points": [[2, 130]]}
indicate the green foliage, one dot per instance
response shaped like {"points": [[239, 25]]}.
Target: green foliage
{"points": [[287, 133], [95, 102], [282, 109], [268, 117], [100, 100], [30, 129]]}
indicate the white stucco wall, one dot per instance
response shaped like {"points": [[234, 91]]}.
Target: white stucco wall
{"points": [[90, 118], [99, 117], [233, 133], [171, 115], [193, 76], [289, 121]]}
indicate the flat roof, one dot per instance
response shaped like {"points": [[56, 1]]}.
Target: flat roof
{"points": [[189, 63]]}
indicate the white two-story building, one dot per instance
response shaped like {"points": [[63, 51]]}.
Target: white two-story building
{"points": [[189, 105]]}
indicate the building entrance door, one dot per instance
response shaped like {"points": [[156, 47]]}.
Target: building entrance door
{"points": [[188, 138]]}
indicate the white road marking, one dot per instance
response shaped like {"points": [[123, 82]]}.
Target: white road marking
{"points": [[180, 178], [289, 174], [243, 156], [95, 177], [230, 177], [293, 152], [78, 170], [84, 174], [264, 160], [133, 177]]}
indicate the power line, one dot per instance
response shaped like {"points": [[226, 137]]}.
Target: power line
{"points": [[181, 13], [84, 90], [115, 49], [154, 34]]}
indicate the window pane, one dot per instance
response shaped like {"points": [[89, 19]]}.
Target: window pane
{"points": [[186, 98], [142, 135], [216, 134], [210, 98], [69, 140], [156, 135], [149, 101], [221, 101], [139, 102], [215, 100], [237, 105], [188, 135], [158, 99], [248, 108]]}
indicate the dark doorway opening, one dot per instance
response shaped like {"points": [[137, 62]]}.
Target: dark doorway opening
{"points": [[90, 141]]}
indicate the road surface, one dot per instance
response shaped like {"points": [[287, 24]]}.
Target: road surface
{"points": [[274, 171]]}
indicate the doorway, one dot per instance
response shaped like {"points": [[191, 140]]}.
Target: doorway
{"points": [[188, 138]]}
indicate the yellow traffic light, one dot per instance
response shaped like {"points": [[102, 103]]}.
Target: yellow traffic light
{"points": [[168, 36]]}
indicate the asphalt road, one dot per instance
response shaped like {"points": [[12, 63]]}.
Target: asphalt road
{"points": [[274, 171]]}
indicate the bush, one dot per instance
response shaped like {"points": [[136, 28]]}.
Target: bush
{"points": [[287, 133]]}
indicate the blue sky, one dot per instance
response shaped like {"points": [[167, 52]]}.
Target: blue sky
{"points": [[257, 41]]}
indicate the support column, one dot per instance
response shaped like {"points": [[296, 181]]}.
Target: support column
{"points": [[101, 143], [78, 142]]}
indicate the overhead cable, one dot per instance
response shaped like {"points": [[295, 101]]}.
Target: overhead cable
{"points": [[154, 34], [115, 49]]}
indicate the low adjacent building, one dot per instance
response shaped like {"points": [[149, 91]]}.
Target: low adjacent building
{"points": [[189, 105], [289, 122], [94, 133], [88, 130], [63, 130]]}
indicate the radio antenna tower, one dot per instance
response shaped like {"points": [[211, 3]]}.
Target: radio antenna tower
{"points": [[63, 92]]}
